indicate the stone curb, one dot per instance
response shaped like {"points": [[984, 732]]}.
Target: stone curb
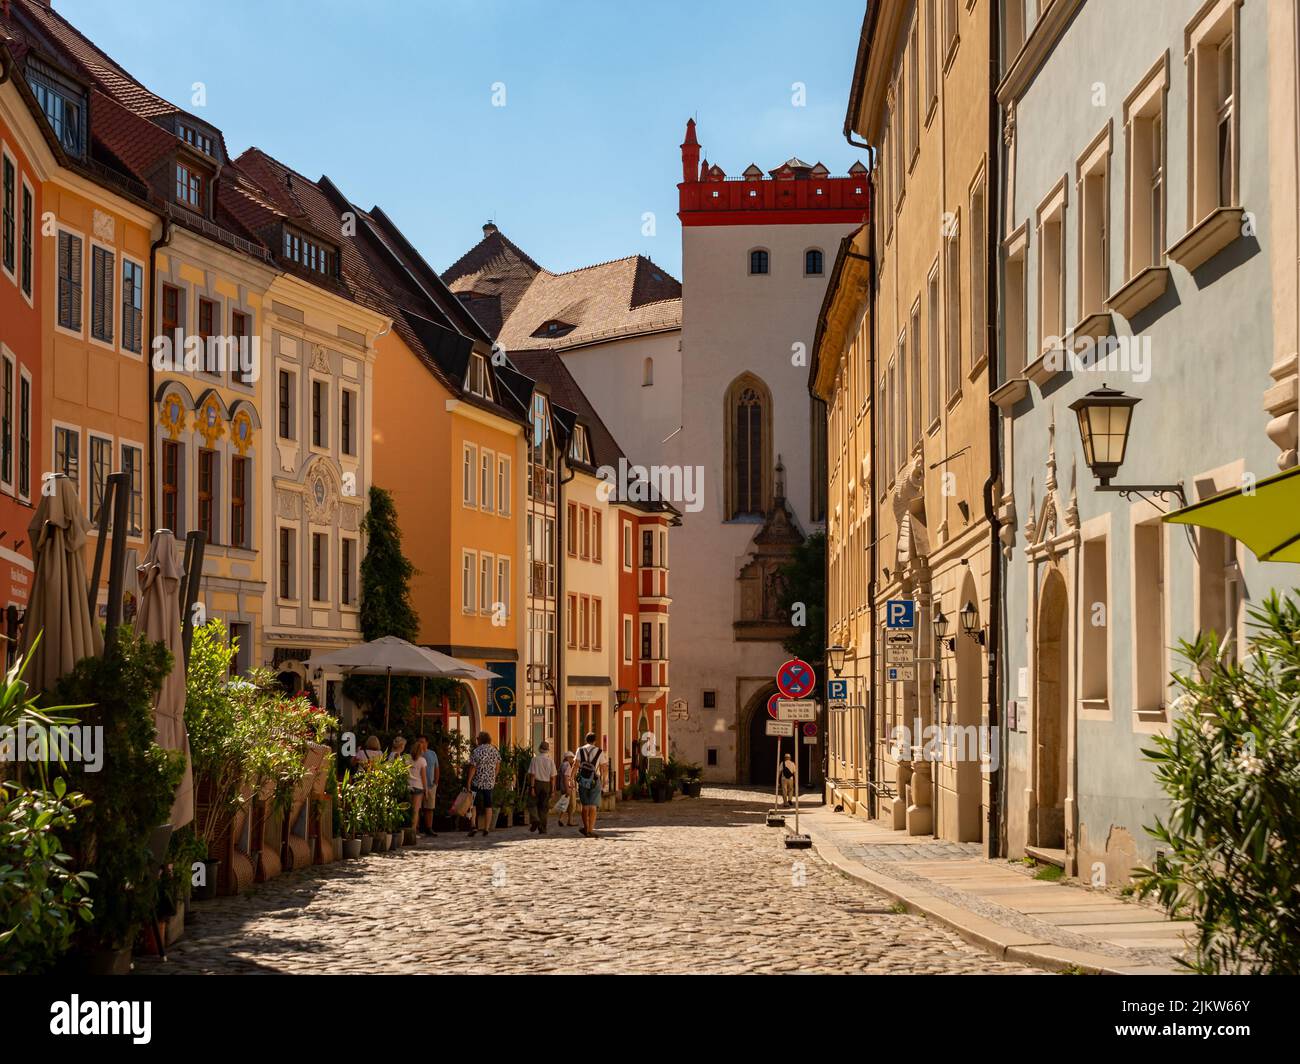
{"points": [[1004, 943]]}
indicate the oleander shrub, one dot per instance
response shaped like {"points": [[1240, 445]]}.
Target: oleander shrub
{"points": [[1230, 767]]}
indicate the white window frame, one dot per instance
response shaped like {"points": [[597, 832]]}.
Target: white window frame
{"points": [[503, 485], [503, 585], [81, 333], [486, 479], [91, 436], [29, 295], [8, 358], [7, 156], [138, 447], [24, 374], [469, 592], [469, 478], [138, 356], [1217, 23], [89, 268], [486, 576]]}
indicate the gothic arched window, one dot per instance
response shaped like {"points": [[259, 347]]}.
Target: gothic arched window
{"points": [[749, 447]]}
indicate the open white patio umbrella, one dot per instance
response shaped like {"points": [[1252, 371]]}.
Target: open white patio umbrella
{"points": [[158, 619], [59, 610], [391, 655]]}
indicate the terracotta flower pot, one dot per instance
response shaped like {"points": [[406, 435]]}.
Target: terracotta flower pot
{"points": [[351, 848], [367, 844]]}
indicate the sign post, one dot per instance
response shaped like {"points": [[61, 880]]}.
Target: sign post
{"points": [[796, 680], [779, 729]]}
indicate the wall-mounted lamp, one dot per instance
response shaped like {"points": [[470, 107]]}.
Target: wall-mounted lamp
{"points": [[941, 630], [835, 658], [1105, 420], [970, 620]]}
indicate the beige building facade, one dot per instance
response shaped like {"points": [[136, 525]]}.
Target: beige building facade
{"points": [[920, 99]]}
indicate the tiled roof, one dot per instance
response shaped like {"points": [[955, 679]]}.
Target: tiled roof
{"points": [[94, 64], [626, 297], [492, 276]]}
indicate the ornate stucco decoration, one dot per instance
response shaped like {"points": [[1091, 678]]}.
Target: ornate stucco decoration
{"points": [[209, 421], [679, 710], [319, 359], [1009, 125], [104, 227], [760, 583], [171, 416], [350, 515], [1054, 526], [322, 495], [288, 504], [241, 432]]}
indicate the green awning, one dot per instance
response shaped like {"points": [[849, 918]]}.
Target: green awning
{"points": [[1266, 518]]}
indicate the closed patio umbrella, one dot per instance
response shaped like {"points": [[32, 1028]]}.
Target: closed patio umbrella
{"points": [[59, 610], [158, 619], [1266, 518]]}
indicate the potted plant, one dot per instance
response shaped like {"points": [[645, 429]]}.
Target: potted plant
{"points": [[348, 817], [692, 779], [661, 787]]}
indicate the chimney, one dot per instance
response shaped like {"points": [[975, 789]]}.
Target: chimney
{"points": [[690, 154], [489, 228]]}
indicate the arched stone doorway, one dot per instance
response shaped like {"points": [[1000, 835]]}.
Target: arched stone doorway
{"points": [[965, 743], [1051, 723], [756, 763]]}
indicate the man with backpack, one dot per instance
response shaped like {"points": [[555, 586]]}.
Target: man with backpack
{"points": [[592, 766]]}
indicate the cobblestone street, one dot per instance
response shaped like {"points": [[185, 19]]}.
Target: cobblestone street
{"points": [[694, 886]]}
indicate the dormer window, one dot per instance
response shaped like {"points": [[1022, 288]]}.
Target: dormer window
{"points": [[196, 138], [553, 328], [477, 379], [580, 448], [189, 187], [63, 102], [311, 254]]}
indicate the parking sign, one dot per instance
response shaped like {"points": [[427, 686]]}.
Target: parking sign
{"points": [[900, 613], [837, 690]]}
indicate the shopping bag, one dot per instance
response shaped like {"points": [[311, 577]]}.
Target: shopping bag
{"points": [[462, 802], [562, 806]]}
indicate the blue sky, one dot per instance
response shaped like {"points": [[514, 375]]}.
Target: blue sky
{"points": [[393, 100]]}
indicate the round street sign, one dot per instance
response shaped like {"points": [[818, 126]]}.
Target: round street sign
{"points": [[771, 706], [810, 729], [796, 678]]}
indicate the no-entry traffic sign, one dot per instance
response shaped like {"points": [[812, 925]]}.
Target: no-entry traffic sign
{"points": [[796, 679]]}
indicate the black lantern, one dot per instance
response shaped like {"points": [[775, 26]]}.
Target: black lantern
{"points": [[620, 695], [835, 657], [940, 623], [970, 619], [1105, 417]]}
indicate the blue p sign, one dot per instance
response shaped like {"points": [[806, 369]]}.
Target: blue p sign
{"points": [[900, 613], [837, 690]]}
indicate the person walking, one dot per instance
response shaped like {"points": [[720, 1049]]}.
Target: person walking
{"points": [[417, 781], [541, 778], [787, 780], [484, 761], [566, 790], [591, 778], [431, 774], [368, 753]]}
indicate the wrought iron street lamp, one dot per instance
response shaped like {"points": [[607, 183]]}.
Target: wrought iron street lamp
{"points": [[970, 620], [941, 630], [1105, 420], [835, 658], [620, 695]]}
